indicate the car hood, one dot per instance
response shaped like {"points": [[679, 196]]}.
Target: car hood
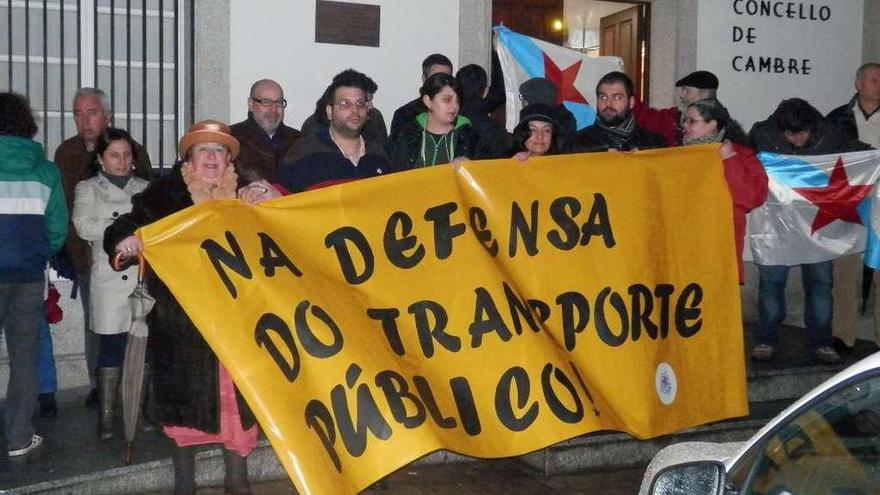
{"points": [[687, 452]]}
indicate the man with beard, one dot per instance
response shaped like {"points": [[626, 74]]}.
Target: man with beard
{"points": [[338, 153], [263, 136], [615, 126]]}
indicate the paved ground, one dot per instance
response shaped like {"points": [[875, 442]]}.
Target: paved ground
{"points": [[505, 477]]}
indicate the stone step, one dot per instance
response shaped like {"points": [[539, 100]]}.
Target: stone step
{"points": [[770, 390]]}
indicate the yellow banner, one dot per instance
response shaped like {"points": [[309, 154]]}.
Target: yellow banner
{"points": [[490, 311]]}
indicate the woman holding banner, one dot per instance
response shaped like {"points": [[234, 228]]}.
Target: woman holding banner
{"points": [[439, 135], [707, 121], [535, 134], [197, 401]]}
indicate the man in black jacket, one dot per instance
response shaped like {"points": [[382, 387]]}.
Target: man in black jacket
{"points": [[615, 126], [434, 63], [263, 136], [797, 128], [859, 118]]}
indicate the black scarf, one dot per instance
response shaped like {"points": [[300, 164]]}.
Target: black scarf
{"points": [[622, 136]]}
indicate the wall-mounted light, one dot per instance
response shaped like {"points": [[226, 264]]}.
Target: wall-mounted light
{"points": [[557, 25]]}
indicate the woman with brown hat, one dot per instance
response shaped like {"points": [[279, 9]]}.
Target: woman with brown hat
{"points": [[195, 397]]}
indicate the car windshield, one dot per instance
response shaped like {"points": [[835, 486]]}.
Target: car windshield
{"points": [[830, 447]]}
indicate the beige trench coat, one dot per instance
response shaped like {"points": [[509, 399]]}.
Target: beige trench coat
{"points": [[96, 205]]}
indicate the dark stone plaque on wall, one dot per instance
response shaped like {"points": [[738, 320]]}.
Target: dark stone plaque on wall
{"points": [[345, 23]]}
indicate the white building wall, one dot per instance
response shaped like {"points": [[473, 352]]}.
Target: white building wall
{"points": [[281, 46]]}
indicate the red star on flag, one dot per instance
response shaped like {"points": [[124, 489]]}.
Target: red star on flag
{"points": [[836, 201], [564, 80]]}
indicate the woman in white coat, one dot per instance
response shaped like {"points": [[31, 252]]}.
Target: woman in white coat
{"points": [[98, 201]]}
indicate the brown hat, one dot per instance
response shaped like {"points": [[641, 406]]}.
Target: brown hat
{"points": [[208, 131]]}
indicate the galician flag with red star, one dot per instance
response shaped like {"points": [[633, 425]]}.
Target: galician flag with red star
{"points": [[819, 208], [574, 73]]}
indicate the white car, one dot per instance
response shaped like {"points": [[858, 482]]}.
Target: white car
{"points": [[826, 443]]}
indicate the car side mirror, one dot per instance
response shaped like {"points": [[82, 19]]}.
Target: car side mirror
{"points": [[692, 478]]}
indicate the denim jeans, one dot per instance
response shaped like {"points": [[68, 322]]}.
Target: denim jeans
{"points": [[46, 373], [817, 302]]}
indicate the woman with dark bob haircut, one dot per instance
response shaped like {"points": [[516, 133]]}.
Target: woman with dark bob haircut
{"points": [[535, 135], [438, 135], [707, 121]]}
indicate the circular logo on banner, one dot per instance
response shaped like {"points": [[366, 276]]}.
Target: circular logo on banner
{"points": [[665, 384]]}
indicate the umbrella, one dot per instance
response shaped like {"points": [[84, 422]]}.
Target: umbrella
{"points": [[135, 350]]}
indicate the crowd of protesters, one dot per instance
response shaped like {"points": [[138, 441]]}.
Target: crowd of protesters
{"points": [[101, 188]]}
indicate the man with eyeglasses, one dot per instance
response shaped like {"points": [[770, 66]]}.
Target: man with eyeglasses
{"points": [[615, 126], [338, 153], [264, 137]]}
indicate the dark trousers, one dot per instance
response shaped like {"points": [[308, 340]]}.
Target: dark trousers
{"points": [[21, 308]]}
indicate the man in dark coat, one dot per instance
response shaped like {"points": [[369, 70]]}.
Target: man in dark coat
{"points": [[473, 82], [434, 63], [667, 122], [75, 158], [615, 126], [338, 153], [857, 119], [797, 128], [264, 137]]}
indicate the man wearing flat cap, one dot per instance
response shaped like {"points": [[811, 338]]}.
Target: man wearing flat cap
{"points": [[699, 85]]}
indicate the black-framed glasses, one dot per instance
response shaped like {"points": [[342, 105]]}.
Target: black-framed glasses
{"points": [[348, 104], [267, 103]]}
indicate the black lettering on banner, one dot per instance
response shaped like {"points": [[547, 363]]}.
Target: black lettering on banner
{"points": [[271, 322], [318, 418], [339, 240], [663, 291], [274, 257], [486, 319], [388, 318], [525, 229], [514, 378], [598, 223], [642, 306], [310, 342], [464, 402], [427, 332], [234, 260], [519, 310], [444, 231], [557, 407], [480, 226], [584, 388], [688, 309], [397, 394], [369, 419], [604, 331], [396, 247], [575, 316], [427, 396], [540, 309], [563, 211]]}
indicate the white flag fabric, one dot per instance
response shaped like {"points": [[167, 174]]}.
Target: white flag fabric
{"points": [[574, 73], [817, 208]]}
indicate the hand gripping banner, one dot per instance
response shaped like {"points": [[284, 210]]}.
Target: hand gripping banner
{"points": [[490, 311]]}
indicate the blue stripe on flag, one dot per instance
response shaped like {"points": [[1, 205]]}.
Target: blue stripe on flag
{"points": [[792, 172], [524, 50], [584, 114], [872, 245]]}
